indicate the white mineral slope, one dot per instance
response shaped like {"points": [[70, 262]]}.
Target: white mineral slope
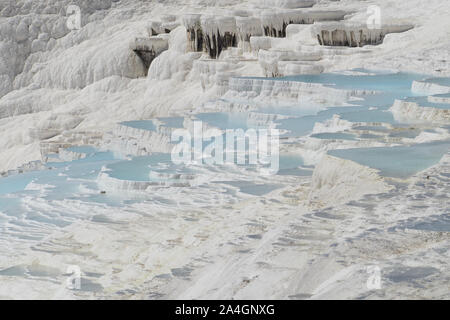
{"points": [[283, 249]]}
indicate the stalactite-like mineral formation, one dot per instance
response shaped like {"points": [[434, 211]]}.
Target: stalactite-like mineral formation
{"points": [[149, 48], [194, 32], [219, 33], [353, 35]]}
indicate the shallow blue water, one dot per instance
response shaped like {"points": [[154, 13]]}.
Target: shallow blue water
{"points": [[83, 149], [64, 178], [441, 81], [71, 180], [138, 169], [141, 124], [381, 114], [435, 223], [398, 162], [296, 110], [301, 126], [251, 188], [172, 122], [15, 183], [371, 128], [443, 95], [224, 120], [335, 135], [405, 133], [149, 125], [372, 108], [32, 220], [292, 165], [398, 82]]}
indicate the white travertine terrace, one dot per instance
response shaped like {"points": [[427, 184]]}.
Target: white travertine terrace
{"points": [[274, 22], [413, 112], [292, 68], [128, 140], [290, 91], [212, 33], [215, 73], [258, 43], [274, 62], [354, 34], [440, 98], [248, 27], [428, 87]]}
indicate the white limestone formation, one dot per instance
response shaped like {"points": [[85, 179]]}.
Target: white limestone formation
{"points": [[257, 43], [126, 140], [429, 87], [335, 124], [292, 68], [412, 112], [440, 98], [67, 155], [276, 63]]}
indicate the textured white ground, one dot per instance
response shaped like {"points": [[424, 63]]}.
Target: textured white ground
{"points": [[62, 86]]}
